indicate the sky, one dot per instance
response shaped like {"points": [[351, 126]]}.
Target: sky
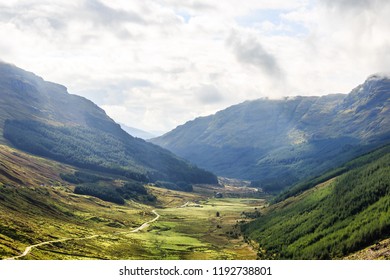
{"points": [[155, 64]]}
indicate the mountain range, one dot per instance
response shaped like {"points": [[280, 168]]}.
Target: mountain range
{"points": [[74, 184], [42, 118], [276, 143]]}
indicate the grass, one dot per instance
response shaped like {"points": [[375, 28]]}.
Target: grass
{"points": [[39, 207], [192, 232]]}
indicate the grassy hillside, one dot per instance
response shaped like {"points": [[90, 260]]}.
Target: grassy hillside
{"points": [[333, 219], [20, 169], [36, 205]]}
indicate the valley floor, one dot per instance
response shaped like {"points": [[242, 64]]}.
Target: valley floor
{"points": [[42, 218], [185, 226]]}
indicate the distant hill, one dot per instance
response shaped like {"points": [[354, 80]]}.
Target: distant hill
{"points": [[275, 143], [137, 132], [42, 118], [342, 214]]}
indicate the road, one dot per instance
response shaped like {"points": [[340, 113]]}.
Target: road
{"points": [[145, 225], [29, 248]]}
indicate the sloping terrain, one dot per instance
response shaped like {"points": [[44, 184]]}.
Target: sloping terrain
{"points": [[20, 169], [44, 119], [36, 206], [275, 143], [42, 218], [378, 251], [333, 219]]}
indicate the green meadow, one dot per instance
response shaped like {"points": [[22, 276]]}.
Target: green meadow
{"points": [[194, 231]]}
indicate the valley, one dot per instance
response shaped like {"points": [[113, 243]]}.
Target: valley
{"points": [[50, 221], [189, 232], [65, 225], [297, 178]]}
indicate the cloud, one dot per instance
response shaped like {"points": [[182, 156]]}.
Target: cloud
{"points": [[37, 18], [248, 50], [208, 94], [352, 4], [103, 14], [198, 6], [155, 64]]}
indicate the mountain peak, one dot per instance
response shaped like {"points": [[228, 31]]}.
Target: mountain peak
{"points": [[375, 89], [23, 82], [378, 76]]}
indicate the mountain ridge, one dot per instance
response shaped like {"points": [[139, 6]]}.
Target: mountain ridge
{"points": [[295, 137], [42, 118]]}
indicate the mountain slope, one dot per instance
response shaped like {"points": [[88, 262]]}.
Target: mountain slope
{"points": [[137, 132], [333, 219], [36, 206], [20, 169], [44, 119], [278, 142]]}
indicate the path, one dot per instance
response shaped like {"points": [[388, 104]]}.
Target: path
{"points": [[29, 248], [184, 205], [145, 225]]}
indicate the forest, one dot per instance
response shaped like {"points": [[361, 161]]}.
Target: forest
{"points": [[333, 219], [109, 192], [101, 151]]}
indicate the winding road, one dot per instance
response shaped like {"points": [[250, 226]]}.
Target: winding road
{"points": [[145, 225], [29, 248]]}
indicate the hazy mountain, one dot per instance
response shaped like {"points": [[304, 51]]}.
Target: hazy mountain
{"points": [[277, 142], [137, 132], [43, 118]]}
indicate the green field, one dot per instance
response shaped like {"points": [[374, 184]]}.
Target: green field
{"points": [[190, 232]]}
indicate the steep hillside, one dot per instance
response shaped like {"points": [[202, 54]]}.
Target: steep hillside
{"points": [[335, 218], [278, 142], [36, 206], [20, 169], [44, 119]]}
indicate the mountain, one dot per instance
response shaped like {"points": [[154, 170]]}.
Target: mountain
{"points": [[275, 143], [137, 132], [42, 118], [340, 215]]}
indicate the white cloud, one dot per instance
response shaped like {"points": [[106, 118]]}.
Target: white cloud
{"points": [[155, 64]]}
